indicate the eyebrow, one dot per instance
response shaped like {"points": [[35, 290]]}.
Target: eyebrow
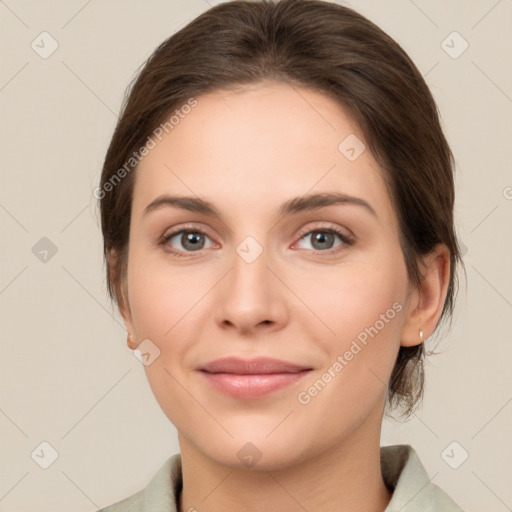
{"points": [[296, 205]]}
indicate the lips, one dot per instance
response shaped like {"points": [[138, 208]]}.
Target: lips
{"points": [[251, 379], [259, 366]]}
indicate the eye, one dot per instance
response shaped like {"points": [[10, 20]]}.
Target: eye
{"points": [[323, 238], [189, 239]]}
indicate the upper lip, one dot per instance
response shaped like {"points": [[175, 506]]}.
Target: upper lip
{"points": [[256, 366]]}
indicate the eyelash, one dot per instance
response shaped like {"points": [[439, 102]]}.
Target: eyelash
{"points": [[346, 239]]}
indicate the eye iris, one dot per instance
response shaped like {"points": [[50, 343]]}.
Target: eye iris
{"points": [[321, 236], [193, 238]]}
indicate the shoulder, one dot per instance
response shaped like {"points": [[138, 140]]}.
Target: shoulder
{"points": [[160, 495], [134, 503], [413, 491]]}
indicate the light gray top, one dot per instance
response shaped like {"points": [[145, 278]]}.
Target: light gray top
{"points": [[401, 467]]}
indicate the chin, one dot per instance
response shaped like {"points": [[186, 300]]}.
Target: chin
{"points": [[252, 456], [254, 451]]}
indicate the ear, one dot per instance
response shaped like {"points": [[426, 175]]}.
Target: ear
{"points": [[427, 300], [117, 272]]}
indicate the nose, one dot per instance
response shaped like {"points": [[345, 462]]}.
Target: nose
{"points": [[251, 297]]}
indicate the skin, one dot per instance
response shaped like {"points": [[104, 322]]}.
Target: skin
{"points": [[247, 152]]}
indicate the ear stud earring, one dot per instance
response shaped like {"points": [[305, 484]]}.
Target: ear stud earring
{"points": [[422, 339]]}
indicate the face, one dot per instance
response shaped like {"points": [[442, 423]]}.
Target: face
{"points": [[323, 287]]}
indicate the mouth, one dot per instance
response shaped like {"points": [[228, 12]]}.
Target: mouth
{"points": [[250, 379]]}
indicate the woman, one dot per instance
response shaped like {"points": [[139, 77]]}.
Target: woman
{"points": [[277, 212]]}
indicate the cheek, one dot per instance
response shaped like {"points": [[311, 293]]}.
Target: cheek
{"points": [[342, 302], [162, 305], [359, 313], [160, 297]]}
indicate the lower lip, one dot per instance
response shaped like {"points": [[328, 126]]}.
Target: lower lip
{"points": [[252, 386]]}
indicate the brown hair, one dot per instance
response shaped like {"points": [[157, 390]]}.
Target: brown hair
{"points": [[330, 49]]}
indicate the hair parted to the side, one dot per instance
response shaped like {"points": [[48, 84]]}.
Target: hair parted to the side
{"points": [[335, 51]]}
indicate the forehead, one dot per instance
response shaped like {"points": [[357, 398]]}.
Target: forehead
{"points": [[259, 145]]}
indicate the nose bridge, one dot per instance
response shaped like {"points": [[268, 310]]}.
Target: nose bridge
{"points": [[250, 274], [250, 294]]}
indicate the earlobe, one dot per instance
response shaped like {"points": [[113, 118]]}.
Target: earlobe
{"points": [[410, 339], [429, 298], [130, 341]]}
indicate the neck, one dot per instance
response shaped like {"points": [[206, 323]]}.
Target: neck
{"points": [[346, 477]]}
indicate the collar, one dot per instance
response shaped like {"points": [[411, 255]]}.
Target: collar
{"points": [[402, 471]]}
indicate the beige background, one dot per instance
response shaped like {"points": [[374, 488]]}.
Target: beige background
{"points": [[66, 375]]}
